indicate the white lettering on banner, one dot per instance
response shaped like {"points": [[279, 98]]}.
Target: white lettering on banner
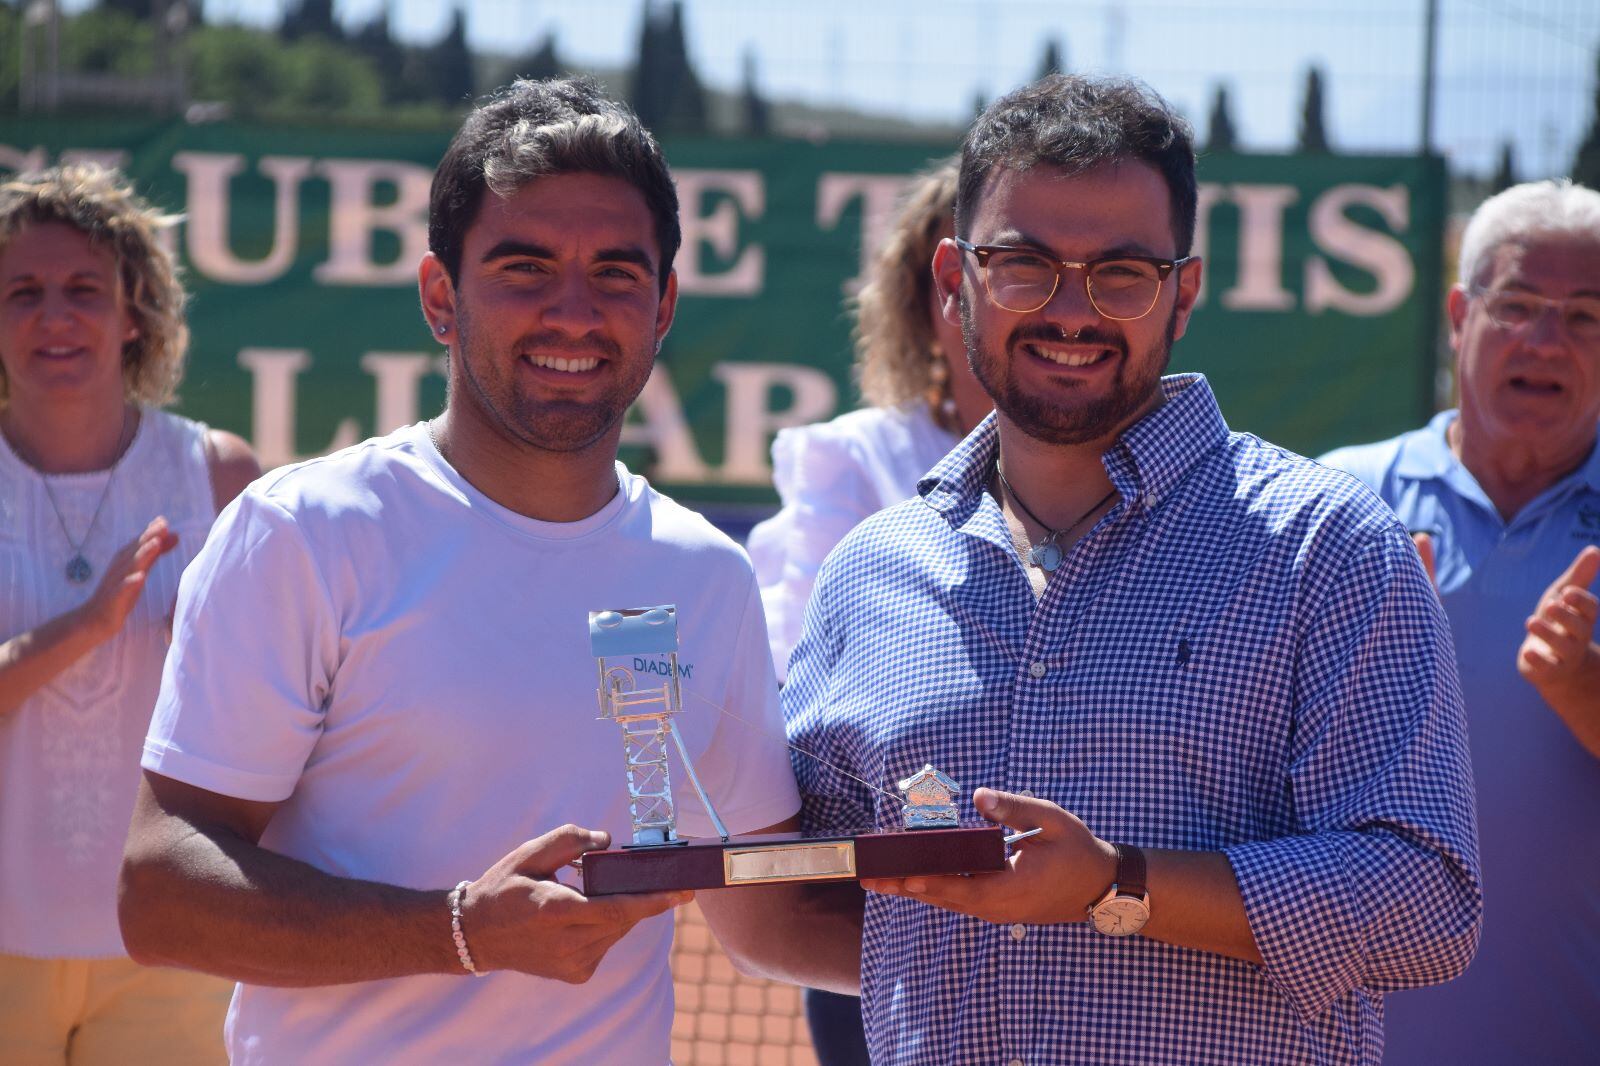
{"points": [[207, 228], [112, 158], [272, 405], [38, 157], [720, 230], [16, 160], [355, 217], [1381, 255], [663, 428], [751, 423], [398, 379], [1259, 286], [879, 195]]}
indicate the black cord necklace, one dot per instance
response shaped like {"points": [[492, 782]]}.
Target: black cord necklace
{"points": [[1046, 554]]}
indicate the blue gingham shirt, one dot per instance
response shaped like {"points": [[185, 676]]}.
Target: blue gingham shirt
{"points": [[1244, 655]]}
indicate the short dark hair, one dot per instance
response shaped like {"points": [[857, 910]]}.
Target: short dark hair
{"points": [[532, 129], [1077, 123]]}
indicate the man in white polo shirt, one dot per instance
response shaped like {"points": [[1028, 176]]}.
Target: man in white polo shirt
{"points": [[381, 684], [1508, 489]]}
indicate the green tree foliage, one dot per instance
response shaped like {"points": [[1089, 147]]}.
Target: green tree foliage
{"points": [[321, 77], [666, 93], [306, 67], [10, 61], [543, 62], [254, 74], [449, 64], [1313, 129], [1053, 61], [1221, 134], [310, 18], [1586, 165], [376, 44], [107, 41], [139, 9], [237, 66]]}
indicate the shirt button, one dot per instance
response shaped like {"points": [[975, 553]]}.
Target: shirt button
{"points": [[1036, 669], [1018, 931], [1028, 792]]}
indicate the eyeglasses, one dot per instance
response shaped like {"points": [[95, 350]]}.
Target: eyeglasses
{"points": [[1121, 287], [1514, 310]]}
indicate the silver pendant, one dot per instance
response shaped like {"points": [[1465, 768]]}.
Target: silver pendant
{"points": [[1046, 557], [79, 570]]}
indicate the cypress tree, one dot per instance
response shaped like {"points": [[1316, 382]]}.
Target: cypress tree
{"points": [[1053, 61], [1586, 164], [1221, 134], [1313, 129], [1505, 173]]}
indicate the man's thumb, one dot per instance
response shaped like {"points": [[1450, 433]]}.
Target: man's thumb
{"points": [[546, 854], [1424, 543], [1012, 810]]}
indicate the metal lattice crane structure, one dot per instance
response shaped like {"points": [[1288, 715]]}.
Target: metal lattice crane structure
{"points": [[645, 715]]}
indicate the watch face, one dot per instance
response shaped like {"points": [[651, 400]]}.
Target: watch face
{"points": [[1121, 916]]}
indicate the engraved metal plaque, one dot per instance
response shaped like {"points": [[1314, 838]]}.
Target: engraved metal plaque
{"points": [[789, 862]]}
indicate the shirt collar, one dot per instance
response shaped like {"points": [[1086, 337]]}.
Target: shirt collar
{"points": [[1144, 464], [1426, 454]]}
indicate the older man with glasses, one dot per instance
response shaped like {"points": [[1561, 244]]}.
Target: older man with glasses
{"points": [[1504, 494], [1225, 661]]}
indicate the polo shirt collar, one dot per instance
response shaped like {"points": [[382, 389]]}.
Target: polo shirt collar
{"points": [[1426, 454], [1144, 464]]}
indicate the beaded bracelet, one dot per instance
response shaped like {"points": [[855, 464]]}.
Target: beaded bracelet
{"points": [[455, 930]]}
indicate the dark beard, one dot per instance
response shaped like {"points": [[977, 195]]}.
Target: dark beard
{"points": [[1052, 423], [548, 425]]}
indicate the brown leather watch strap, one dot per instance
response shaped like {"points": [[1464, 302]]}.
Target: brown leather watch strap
{"points": [[1130, 871]]}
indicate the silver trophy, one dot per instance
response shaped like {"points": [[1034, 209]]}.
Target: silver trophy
{"points": [[930, 800], [645, 715]]}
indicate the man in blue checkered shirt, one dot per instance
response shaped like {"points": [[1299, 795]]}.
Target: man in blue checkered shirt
{"points": [[1213, 672]]}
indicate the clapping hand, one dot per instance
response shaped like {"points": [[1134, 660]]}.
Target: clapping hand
{"points": [[1559, 656], [125, 577]]}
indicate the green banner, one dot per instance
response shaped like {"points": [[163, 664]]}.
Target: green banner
{"points": [[300, 245]]}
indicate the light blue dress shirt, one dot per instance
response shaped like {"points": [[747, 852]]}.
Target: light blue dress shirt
{"points": [[1533, 994], [1244, 655]]}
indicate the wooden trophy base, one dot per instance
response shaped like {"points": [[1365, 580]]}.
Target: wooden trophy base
{"points": [[792, 857]]}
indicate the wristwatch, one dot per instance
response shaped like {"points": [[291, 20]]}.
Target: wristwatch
{"points": [[1125, 907]]}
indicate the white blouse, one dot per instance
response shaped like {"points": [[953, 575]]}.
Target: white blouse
{"points": [[830, 476], [69, 755]]}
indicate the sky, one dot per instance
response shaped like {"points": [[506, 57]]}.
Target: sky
{"points": [[1521, 71]]}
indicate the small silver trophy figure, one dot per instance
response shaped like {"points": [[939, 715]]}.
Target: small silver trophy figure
{"points": [[645, 715], [930, 800]]}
